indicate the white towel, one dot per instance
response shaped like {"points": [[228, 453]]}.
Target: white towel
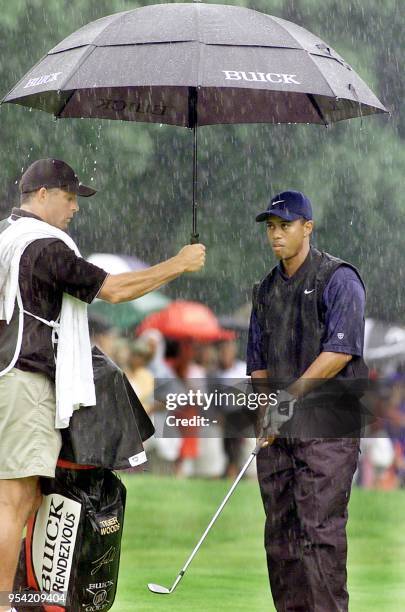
{"points": [[74, 382]]}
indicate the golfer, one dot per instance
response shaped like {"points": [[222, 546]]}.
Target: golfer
{"points": [[44, 288], [307, 326]]}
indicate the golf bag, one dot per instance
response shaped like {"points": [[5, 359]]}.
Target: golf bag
{"points": [[73, 542]]}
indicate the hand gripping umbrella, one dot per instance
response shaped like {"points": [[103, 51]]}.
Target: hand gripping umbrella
{"points": [[193, 65]]}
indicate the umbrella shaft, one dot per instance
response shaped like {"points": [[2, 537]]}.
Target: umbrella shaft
{"points": [[193, 123], [195, 178]]}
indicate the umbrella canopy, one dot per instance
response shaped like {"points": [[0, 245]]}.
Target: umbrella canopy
{"points": [[183, 320], [195, 64], [185, 64]]}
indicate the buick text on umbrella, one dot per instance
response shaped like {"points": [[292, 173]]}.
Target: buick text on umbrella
{"points": [[272, 77]]}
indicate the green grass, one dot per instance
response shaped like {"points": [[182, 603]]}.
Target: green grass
{"points": [[166, 517], [376, 568]]}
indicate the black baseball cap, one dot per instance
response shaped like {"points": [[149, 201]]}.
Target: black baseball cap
{"points": [[288, 205], [51, 173]]}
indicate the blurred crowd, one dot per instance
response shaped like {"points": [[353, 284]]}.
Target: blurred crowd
{"points": [[382, 460], [151, 358]]}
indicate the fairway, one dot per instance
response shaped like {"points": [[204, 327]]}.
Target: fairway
{"points": [[166, 517]]}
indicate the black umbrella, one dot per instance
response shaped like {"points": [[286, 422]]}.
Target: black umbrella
{"points": [[194, 65]]}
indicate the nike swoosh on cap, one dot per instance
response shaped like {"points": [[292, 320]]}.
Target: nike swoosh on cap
{"points": [[277, 202]]}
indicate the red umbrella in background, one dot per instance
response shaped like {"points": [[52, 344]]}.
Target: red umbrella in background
{"points": [[182, 320]]}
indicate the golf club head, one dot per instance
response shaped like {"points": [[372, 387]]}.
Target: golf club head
{"points": [[157, 588]]}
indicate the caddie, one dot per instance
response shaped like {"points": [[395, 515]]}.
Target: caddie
{"points": [[307, 329], [45, 353]]}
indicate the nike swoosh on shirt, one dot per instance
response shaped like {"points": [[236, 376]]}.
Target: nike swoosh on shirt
{"points": [[306, 291]]}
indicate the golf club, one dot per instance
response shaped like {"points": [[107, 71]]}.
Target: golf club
{"points": [[161, 590]]}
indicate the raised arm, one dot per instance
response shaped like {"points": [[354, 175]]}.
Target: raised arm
{"points": [[130, 285]]}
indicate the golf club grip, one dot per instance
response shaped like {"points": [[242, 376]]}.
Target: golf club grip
{"points": [[195, 238]]}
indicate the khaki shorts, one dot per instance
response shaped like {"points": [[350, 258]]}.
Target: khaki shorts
{"points": [[29, 442]]}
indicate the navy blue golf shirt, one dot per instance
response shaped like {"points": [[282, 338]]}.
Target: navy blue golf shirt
{"points": [[344, 301]]}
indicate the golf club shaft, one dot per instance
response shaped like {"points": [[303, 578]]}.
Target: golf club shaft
{"points": [[218, 512]]}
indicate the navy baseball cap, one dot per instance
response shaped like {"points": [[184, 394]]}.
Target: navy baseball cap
{"points": [[52, 173], [288, 205]]}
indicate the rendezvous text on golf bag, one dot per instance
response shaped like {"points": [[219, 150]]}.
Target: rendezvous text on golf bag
{"points": [[73, 543]]}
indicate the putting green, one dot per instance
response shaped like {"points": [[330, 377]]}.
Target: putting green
{"points": [[166, 517]]}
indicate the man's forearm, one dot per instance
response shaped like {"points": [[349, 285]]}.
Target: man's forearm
{"points": [[327, 365], [131, 285]]}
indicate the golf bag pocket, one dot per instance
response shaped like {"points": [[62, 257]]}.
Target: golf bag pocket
{"points": [[73, 542]]}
